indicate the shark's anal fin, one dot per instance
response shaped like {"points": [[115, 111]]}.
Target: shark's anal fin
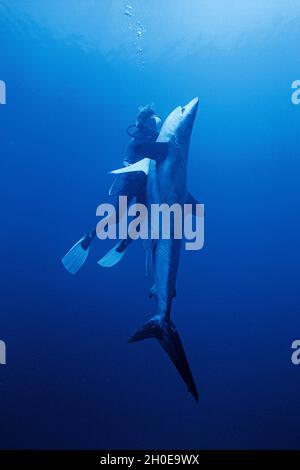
{"points": [[166, 333], [155, 150], [141, 165]]}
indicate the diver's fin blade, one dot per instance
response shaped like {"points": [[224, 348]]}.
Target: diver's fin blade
{"points": [[75, 257], [165, 332], [155, 150], [114, 256], [141, 165]]}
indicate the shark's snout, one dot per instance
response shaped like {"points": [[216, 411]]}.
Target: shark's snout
{"points": [[191, 107], [180, 123], [188, 114]]}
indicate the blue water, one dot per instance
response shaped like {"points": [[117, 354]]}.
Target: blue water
{"points": [[75, 76]]}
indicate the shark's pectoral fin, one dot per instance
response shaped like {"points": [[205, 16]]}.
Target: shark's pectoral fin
{"points": [[155, 150], [141, 165]]}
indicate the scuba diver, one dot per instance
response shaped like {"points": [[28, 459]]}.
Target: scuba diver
{"points": [[133, 185]]}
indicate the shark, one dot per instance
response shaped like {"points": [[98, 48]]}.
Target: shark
{"points": [[166, 169]]}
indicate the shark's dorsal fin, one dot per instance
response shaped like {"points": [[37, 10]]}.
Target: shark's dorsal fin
{"points": [[155, 150], [141, 165]]}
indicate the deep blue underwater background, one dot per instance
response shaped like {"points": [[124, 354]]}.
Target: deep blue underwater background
{"points": [[76, 73]]}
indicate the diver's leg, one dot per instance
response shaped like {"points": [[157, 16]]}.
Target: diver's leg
{"points": [[130, 189], [126, 190], [76, 256], [115, 255]]}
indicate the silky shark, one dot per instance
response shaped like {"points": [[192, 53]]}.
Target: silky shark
{"points": [[167, 183]]}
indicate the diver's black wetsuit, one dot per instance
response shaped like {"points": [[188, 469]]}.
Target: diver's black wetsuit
{"points": [[134, 185]]}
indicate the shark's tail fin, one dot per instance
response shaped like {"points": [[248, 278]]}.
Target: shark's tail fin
{"points": [[165, 332]]}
